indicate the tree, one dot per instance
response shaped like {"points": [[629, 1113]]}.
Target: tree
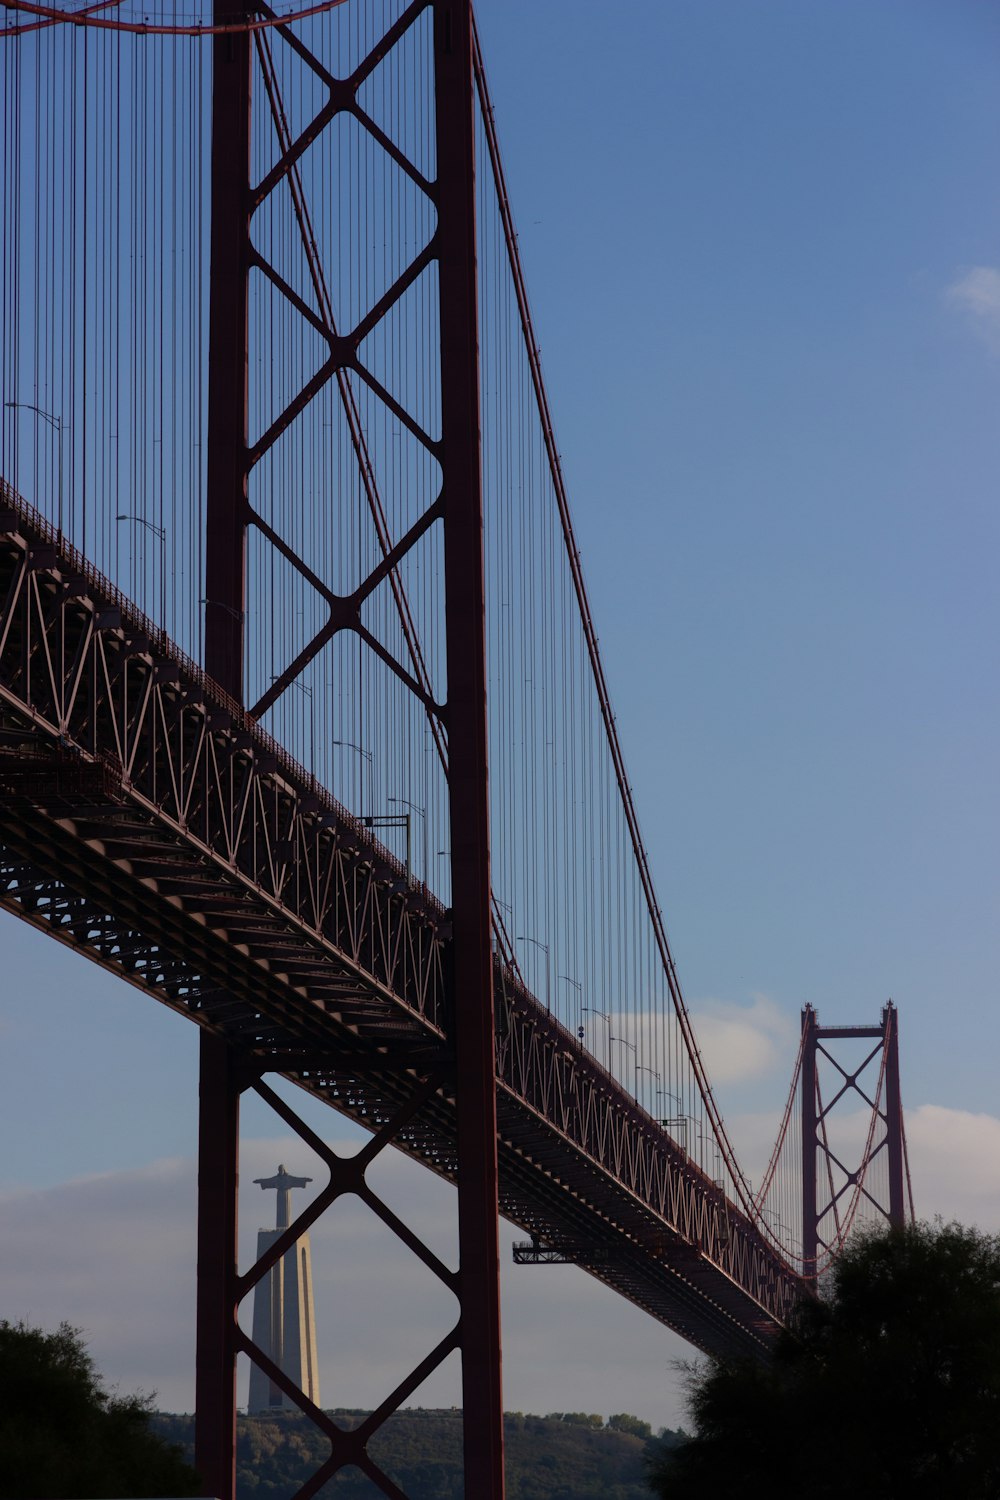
{"points": [[623, 1421], [62, 1434], [887, 1385]]}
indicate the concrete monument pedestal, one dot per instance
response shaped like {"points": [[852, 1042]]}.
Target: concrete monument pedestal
{"points": [[284, 1326]]}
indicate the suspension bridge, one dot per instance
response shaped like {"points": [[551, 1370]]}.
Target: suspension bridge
{"points": [[304, 730]]}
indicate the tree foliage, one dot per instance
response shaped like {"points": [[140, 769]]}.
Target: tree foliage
{"points": [[591, 1419], [62, 1434], [887, 1386], [623, 1421]]}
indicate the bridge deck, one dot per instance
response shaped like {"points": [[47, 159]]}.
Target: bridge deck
{"points": [[146, 820]]}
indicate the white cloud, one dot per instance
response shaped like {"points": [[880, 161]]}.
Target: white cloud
{"points": [[738, 1044], [743, 1042], [977, 294], [955, 1164]]}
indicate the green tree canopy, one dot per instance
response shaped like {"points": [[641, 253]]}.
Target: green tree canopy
{"points": [[887, 1386], [62, 1434], [623, 1421]]}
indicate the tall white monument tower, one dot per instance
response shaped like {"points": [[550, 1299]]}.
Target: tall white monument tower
{"points": [[283, 1323]]}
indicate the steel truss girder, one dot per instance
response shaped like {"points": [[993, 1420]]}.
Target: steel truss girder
{"points": [[651, 1232], [140, 813], [195, 799], [634, 1181], [579, 1160]]}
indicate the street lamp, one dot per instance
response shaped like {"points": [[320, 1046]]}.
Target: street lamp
{"points": [[670, 1122], [591, 1010], [237, 614], [643, 1068], [57, 423], [524, 938], [129, 515], [423, 814], [625, 1043], [307, 692], [350, 745], [579, 989], [160, 533], [635, 1051], [365, 755]]}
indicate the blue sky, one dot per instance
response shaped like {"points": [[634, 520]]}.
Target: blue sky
{"points": [[747, 229], [762, 243]]}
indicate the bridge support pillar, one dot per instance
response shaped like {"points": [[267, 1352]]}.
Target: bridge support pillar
{"points": [[810, 1144], [229, 462], [827, 1211], [465, 628], [218, 1186], [894, 1118], [226, 491]]}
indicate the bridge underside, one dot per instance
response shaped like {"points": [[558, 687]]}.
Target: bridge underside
{"points": [[146, 822]]}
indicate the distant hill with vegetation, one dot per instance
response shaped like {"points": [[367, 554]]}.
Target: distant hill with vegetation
{"points": [[562, 1456]]}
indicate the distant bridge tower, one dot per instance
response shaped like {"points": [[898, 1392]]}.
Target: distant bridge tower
{"points": [[835, 1186], [284, 1326]]}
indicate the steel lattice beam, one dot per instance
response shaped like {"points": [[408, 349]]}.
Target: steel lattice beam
{"points": [[148, 822]]}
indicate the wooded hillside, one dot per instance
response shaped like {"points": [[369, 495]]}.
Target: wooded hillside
{"points": [[564, 1456]]}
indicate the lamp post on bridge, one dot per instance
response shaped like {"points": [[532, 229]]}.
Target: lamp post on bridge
{"points": [[635, 1053], [643, 1068], [131, 515], [579, 989], [56, 423], [365, 755], [525, 938], [423, 815], [591, 1010], [160, 533], [709, 1153], [218, 604], [306, 690]]}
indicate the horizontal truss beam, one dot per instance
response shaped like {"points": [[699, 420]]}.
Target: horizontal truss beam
{"points": [[147, 822]]}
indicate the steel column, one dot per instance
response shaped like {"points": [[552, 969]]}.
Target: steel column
{"points": [[472, 974], [225, 551], [809, 1145], [225, 604], [893, 1117], [218, 1184]]}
